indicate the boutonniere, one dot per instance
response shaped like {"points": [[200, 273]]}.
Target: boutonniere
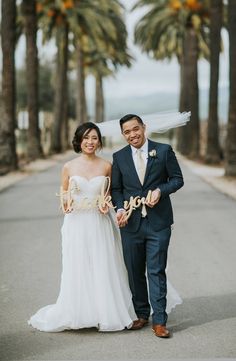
{"points": [[153, 153]]}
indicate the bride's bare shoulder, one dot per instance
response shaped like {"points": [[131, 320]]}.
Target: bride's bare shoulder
{"points": [[70, 164], [106, 165], [105, 162]]}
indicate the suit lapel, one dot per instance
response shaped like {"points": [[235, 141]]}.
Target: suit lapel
{"points": [[130, 162], [151, 146]]}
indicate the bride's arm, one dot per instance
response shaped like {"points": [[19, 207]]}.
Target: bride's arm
{"points": [[109, 176], [105, 209], [65, 177], [65, 203]]}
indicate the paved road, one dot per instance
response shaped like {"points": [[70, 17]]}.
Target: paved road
{"points": [[201, 266]]}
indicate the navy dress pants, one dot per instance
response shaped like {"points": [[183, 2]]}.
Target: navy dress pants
{"points": [[145, 255]]}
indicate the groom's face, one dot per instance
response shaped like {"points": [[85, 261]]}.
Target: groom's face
{"points": [[134, 133]]}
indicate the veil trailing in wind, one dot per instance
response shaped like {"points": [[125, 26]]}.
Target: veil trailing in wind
{"points": [[155, 123]]}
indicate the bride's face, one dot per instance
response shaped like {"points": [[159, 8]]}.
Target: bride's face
{"points": [[90, 142]]}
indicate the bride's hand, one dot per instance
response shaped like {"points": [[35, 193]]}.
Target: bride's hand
{"points": [[104, 210], [67, 209]]}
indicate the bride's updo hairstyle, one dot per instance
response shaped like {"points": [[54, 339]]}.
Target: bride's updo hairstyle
{"points": [[81, 132]]}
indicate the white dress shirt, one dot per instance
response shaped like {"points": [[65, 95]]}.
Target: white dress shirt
{"points": [[144, 153]]}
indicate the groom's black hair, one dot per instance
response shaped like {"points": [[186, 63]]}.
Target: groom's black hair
{"points": [[81, 131], [128, 117]]}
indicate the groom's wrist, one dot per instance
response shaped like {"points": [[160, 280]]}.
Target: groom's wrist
{"points": [[120, 210]]}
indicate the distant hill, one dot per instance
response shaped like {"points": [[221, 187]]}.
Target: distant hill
{"points": [[161, 101]]}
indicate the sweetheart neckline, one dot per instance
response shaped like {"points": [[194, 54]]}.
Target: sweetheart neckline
{"points": [[88, 180]]}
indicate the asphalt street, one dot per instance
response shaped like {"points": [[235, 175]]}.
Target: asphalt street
{"points": [[201, 266]]}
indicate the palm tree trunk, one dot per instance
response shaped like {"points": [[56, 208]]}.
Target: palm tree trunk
{"points": [[65, 141], [213, 146], [183, 143], [30, 18], [193, 93], [230, 156], [60, 103], [188, 136], [182, 98], [99, 116], [81, 108], [8, 157]]}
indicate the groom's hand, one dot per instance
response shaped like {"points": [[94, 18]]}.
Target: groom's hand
{"points": [[121, 218], [155, 197]]}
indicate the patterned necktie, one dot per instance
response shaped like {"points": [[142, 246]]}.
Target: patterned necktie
{"points": [[141, 169]]}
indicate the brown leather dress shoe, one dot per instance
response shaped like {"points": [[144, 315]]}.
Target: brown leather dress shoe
{"points": [[161, 331], [138, 324]]}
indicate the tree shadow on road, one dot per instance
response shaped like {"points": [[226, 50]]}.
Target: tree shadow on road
{"points": [[201, 310], [30, 344]]}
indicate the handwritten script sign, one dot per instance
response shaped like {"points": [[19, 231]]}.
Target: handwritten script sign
{"points": [[101, 201], [68, 203]]}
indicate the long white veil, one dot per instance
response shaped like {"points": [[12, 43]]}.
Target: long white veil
{"points": [[155, 123]]}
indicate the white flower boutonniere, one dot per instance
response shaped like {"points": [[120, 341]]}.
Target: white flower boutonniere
{"points": [[153, 153]]}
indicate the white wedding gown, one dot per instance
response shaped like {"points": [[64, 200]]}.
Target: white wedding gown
{"points": [[94, 288]]}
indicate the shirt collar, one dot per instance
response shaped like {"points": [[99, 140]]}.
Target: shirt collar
{"points": [[144, 148]]}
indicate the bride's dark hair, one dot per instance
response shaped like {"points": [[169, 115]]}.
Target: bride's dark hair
{"points": [[81, 131]]}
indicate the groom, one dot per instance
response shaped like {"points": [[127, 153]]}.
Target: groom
{"points": [[141, 166]]}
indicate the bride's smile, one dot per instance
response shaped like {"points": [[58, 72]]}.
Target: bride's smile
{"points": [[90, 142]]}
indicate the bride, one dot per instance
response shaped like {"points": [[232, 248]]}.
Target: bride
{"points": [[94, 289]]}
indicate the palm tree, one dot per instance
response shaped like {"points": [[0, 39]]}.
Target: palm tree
{"points": [[53, 22], [103, 34], [80, 15], [230, 155], [8, 157], [104, 60], [30, 25], [99, 69], [178, 28], [102, 69], [81, 105], [213, 147], [99, 103], [189, 136], [107, 38], [59, 142]]}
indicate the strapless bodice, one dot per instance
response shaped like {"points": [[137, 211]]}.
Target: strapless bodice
{"points": [[87, 190]]}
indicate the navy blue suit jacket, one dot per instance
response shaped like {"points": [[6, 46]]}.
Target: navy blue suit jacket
{"points": [[162, 172]]}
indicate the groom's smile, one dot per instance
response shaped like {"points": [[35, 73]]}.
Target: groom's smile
{"points": [[134, 133]]}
